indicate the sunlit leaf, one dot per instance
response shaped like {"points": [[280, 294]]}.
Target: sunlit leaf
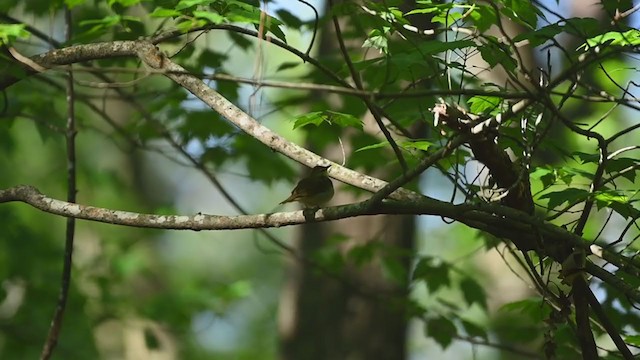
{"points": [[185, 4], [10, 32], [484, 104], [213, 17], [162, 12], [615, 38], [377, 40]]}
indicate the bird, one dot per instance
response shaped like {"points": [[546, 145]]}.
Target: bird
{"points": [[313, 190]]}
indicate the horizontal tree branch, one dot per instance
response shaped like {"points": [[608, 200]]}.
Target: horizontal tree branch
{"points": [[498, 220], [32, 196]]}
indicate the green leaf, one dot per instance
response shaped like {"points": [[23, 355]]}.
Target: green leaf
{"points": [[289, 19], [442, 13], [261, 164], [608, 197], [632, 340], [447, 18], [162, 12], [484, 104], [582, 27], [483, 17], [534, 308], [189, 24], [211, 58], [540, 36], [330, 258], [422, 145], [567, 174], [314, 118], [10, 32], [434, 47], [240, 40], [627, 210], [442, 330], [331, 117], [213, 17], [618, 202], [495, 53], [273, 25], [125, 3], [422, 268], [185, 4], [240, 12], [434, 275], [203, 125], [614, 38], [288, 65], [394, 269], [473, 292], [216, 155], [239, 289], [473, 329], [522, 12], [378, 40], [459, 157], [570, 195], [586, 157], [546, 176], [363, 254], [424, 11], [101, 25], [451, 306], [73, 3], [628, 165]]}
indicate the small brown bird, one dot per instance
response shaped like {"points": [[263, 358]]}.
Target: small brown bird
{"points": [[314, 190]]}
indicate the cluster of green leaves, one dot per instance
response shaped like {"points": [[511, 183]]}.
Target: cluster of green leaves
{"points": [[444, 318], [190, 14], [123, 275], [10, 32], [558, 186], [574, 184]]}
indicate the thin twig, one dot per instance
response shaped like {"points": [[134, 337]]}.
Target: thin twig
{"points": [[56, 324], [315, 26]]}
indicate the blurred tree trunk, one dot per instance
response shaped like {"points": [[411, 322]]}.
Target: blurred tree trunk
{"points": [[361, 316]]}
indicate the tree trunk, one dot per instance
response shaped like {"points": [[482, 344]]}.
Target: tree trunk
{"points": [[359, 313]]}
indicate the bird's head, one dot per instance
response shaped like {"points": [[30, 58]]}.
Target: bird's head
{"points": [[319, 170]]}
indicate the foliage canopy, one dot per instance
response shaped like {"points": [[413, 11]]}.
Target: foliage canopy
{"points": [[525, 116]]}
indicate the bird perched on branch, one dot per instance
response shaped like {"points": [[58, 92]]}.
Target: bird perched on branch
{"points": [[314, 190]]}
